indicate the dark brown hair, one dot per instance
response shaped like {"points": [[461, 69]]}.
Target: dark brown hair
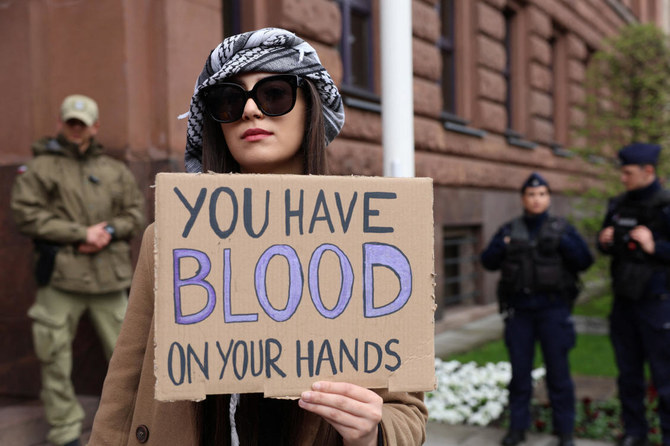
{"points": [[216, 156], [261, 421]]}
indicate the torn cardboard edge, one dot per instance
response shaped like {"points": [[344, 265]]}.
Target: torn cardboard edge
{"points": [[217, 312]]}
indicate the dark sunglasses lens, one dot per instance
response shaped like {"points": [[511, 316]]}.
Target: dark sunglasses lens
{"points": [[275, 97], [226, 103]]}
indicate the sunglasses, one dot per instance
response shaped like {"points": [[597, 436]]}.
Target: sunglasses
{"points": [[274, 96]]}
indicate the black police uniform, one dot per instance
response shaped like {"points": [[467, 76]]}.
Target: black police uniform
{"points": [[539, 265], [640, 318]]}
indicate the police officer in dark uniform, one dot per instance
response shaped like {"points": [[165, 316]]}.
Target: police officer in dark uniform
{"points": [[539, 256], [636, 233]]}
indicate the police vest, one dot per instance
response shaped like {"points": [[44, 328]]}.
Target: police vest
{"points": [[627, 214], [536, 265], [631, 266]]}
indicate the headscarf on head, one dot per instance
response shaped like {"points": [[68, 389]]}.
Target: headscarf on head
{"points": [[273, 50]]}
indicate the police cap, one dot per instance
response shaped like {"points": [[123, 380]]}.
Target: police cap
{"points": [[639, 153], [534, 180]]}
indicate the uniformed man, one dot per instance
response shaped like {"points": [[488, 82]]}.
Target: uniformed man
{"points": [[539, 256], [636, 233], [80, 207]]}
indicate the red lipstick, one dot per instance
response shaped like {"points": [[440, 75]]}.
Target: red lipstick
{"points": [[255, 134]]}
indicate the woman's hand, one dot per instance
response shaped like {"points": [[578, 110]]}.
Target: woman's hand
{"points": [[354, 411]]}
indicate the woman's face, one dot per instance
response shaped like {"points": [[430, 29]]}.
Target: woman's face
{"points": [[266, 144]]}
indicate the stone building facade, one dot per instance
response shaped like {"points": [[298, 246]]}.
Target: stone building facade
{"points": [[498, 86]]}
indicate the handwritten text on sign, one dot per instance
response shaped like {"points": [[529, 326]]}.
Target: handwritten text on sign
{"points": [[266, 283]]}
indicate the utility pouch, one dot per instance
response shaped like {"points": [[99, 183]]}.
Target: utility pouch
{"points": [[46, 259], [630, 279], [548, 274]]}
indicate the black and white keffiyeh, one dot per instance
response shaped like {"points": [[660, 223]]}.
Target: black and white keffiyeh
{"points": [[272, 50]]}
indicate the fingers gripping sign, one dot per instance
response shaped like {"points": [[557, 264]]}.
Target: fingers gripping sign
{"points": [[354, 411]]}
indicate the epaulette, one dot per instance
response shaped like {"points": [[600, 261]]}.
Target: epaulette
{"points": [[53, 145]]}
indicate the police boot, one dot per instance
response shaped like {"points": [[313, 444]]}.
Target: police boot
{"points": [[565, 440], [629, 440], [513, 438]]}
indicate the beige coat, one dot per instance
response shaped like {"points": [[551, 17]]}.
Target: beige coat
{"points": [[128, 409]]}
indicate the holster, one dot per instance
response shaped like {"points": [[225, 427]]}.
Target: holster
{"points": [[46, 259]]}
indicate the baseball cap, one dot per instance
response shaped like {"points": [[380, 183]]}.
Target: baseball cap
{"points": [[80, 107]]}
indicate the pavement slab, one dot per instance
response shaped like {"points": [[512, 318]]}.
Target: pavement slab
{"points": [[440, 434]]}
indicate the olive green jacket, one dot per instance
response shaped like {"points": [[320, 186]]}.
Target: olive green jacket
{"points": [[59, 193]]}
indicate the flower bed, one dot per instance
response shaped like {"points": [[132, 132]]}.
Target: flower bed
{"points": [[470, 394]]}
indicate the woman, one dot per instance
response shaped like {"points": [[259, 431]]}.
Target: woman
{"points": [[262, 104]]}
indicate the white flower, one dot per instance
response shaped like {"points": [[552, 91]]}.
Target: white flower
{"points": [[467, 393], [538, 373]]}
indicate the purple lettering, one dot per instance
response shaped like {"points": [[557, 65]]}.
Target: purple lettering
{"points": [[379, 254], [204, 267], [346, 285], [295, 282]]}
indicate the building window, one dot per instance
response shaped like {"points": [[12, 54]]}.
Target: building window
{"points": [[515, 75], [460, 265], [232, 17], [356, 48], [559, 93], [509, 15], [446, 45]]}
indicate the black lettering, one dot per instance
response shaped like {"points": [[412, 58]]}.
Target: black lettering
{"points": [[182, 366], [245, 362], [194, 210], [271, 360], [387, 347], [321, 202], [309, 358], [260, 358], [345, 220], [344, 350], [367, 212], [247, 213], [325, 354], [366, 357], [204, 367], [212, 212], [224, 356], [290, 213]]}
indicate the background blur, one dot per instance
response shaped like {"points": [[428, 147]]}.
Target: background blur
{"points": [[498, 93]]}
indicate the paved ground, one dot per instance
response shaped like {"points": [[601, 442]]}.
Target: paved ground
{"points": [[445, 435]]}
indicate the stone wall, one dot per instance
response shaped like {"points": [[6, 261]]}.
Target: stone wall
{"points": [[140, 58]]}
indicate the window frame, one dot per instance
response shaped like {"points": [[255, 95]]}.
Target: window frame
{"points": [[356, 96], [468, 278], [516, 75], [447, 46], [231, 17], [560, 88], [459, 42]]}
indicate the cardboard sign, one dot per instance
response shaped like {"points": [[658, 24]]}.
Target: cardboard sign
{"points": [[268, 283]]}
